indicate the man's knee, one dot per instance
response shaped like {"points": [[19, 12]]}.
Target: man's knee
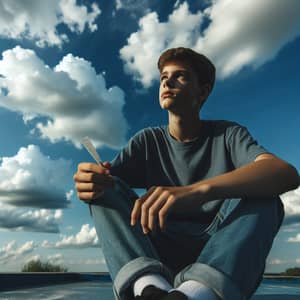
{"points": [[270, 211], [265, 212]]}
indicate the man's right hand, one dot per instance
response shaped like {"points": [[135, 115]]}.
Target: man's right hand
{"points": [[91, 180]]}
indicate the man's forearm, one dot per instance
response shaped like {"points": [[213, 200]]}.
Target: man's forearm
{"points": [[267, 177]]}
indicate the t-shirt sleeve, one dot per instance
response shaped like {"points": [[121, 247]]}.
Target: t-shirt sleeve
{"points": [[242, 147], [129, 164]]}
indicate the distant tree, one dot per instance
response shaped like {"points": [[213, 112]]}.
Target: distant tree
{"points": [[39, 266], [292, 272]]}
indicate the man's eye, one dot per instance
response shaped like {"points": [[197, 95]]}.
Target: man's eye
{"points": [[163, 78]]}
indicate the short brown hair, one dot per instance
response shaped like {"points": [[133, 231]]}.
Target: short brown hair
{"points": [[203, 67]]}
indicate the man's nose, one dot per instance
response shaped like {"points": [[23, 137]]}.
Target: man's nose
{"points": [[169, 82]]}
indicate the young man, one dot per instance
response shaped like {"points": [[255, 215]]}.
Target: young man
{"points": [[205, 226]]}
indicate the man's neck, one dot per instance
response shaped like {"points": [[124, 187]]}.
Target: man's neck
{"points": [[184, 129]]}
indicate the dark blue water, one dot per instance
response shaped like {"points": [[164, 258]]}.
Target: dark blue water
{"points": [[270, 289]]}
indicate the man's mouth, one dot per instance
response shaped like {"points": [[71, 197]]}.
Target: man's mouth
{"points": [[167, 94]]}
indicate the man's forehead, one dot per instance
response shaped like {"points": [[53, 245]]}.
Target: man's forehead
{"points": [[173, 66]]}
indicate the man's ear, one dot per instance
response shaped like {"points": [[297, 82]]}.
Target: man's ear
{"points": [[203, 92]]}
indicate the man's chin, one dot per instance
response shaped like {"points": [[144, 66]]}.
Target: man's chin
{"points": [[166, 103]]}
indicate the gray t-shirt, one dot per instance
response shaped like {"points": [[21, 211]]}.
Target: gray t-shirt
{"points": [[153, 157]]}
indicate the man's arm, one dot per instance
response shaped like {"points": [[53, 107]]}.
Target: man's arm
{"points": [[266, 176]]}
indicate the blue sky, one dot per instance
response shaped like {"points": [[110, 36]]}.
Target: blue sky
{"points": [[89, 68]]}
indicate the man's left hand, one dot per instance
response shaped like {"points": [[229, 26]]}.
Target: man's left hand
{"points": [[155, 205]]}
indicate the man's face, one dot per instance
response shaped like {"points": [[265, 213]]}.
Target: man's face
{"points": [[179, 90]]}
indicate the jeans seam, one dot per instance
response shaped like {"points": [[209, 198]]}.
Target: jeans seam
{"points": [[213, 222]]}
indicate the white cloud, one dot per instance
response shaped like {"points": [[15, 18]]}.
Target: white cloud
{"points": [[32, 179], [11, 251], [55, 256], [42, 220], [239, 34], [77, 17], [33, 258], [146, 44], [132, 6], [249, 32], [119, 4], [86, 238], [72, 96], [177, 4], [291, 201], [70, 194], [277, 261], [291, 228], [56, 259], [38, 20], [295, 239]]}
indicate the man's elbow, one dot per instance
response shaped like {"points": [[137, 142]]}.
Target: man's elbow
{"points": [[293, 179]]}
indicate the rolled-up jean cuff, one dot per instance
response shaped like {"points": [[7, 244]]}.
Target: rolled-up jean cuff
{"points": [[221, 284], [133, 270]]}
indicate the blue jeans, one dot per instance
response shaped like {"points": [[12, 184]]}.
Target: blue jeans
{"points": [[228, 254]]}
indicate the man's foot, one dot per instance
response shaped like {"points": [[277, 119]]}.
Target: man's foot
{"points": [[152, 292]]}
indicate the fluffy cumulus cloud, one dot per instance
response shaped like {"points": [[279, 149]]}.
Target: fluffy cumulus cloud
{"points": [[71, 96], [39, 20], [85, 238], [34, 180], [238, 34], [145, 45], [11, 251], [291, 201], [42, 220]]}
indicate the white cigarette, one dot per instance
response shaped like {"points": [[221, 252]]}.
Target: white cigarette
{"points": [[92, 150]]}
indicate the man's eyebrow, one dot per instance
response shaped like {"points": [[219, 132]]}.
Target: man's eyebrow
{"points": [[180, 70]]}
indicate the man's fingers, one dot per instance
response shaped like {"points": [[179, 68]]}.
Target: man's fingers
{"points": [[147, 203], [137, 206], [164, 211], [87, 196], [92, 167], [107, 164], [148, 207], [153, 213], [92, 177], [89, 187], [136, 211]]}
